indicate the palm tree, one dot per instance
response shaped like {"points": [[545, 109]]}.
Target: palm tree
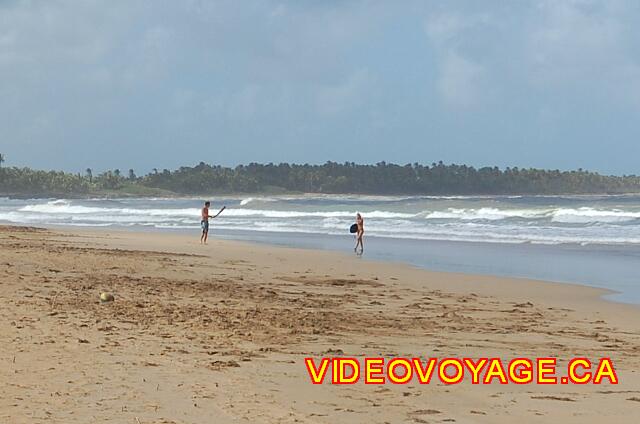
{"points": [[89, 174], [1, 159]]}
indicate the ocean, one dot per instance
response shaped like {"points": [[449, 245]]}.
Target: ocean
{"points": [[593, 240]]}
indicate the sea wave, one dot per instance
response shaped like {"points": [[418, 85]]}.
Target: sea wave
{"points": [[490, 214], [495, 220], [318, 214], [248, 200], [586, 215], [583, 215], [64, 207]]}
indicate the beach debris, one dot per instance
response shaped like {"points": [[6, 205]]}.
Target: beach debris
{"points": [[106, 297], [560, 398], [218, 365]]}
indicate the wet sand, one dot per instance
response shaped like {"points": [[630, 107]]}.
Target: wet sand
{"points": [[218, 333]]}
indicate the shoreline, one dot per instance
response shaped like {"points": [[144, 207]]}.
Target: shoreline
{"points": [[593, 293], [219, 333], [182, 235], [605, 294], [292, 240], [563, 290], [548, 240]]}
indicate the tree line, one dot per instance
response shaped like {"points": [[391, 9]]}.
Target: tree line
{"points": [[331, 178]]}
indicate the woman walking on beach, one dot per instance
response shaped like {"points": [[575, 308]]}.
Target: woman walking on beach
{"points": [[359, 234]]}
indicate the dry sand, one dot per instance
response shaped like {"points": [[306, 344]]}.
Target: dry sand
{"points": [[218, 333]]}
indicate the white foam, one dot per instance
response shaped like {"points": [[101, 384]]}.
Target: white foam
{"points": [[587, 215], [491, 214], [318, 214], [421, 218], [62, 207]]}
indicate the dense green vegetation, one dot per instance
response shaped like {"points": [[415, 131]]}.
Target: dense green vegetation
{"points": [[381, 178]]}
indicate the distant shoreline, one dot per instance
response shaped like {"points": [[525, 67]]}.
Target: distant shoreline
{"points": [[330, 178], [124, 195]]}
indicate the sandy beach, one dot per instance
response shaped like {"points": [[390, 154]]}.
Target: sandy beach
{"points": [[219, 333]]}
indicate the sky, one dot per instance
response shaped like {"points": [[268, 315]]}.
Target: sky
{"points": [[107, 84]]}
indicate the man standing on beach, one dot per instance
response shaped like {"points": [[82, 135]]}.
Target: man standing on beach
{"points": [[204, 222]]}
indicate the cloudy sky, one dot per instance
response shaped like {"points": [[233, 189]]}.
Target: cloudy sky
{"points": [[144, 84]]}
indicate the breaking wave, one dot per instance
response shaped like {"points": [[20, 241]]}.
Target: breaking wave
{"points": [[512, 219]]}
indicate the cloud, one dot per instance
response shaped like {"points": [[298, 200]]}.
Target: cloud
{"points": [[459, 80], [448, 27], [460, 77], [82, 82], [242, 105], [349, 94], [584, 45]]}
